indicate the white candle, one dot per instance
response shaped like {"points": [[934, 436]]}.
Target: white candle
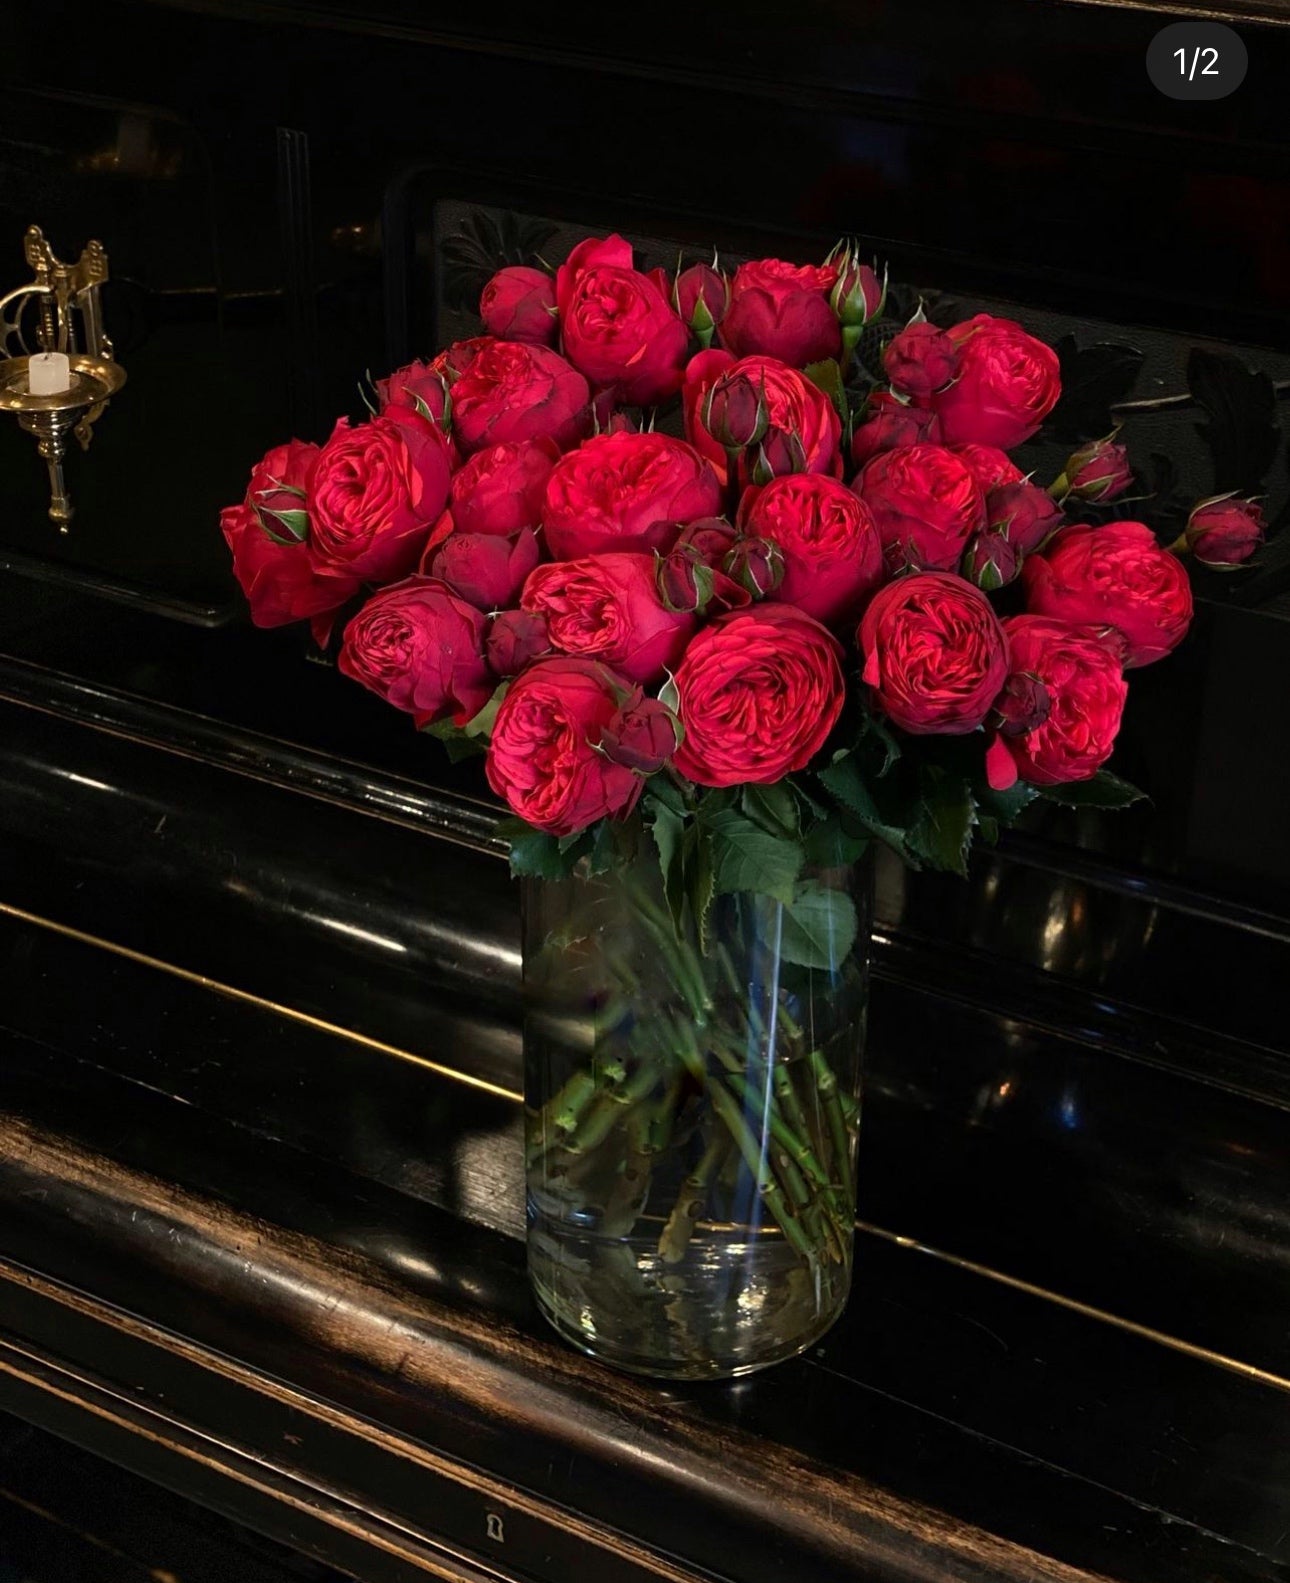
{"points": [[48, 374]]}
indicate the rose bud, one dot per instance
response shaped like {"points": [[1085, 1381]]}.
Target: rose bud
{"points": [[890, 424], [756, 565], [420, 648], [828, 538], [1022, 706], [859, 296], [416, 385], [690, 576], [1085, 695], [926, 504], [374, 493], [1224, 532], [734, 412], [620, 423], [920, 359], [793, 405], [758, 692], [1007, 384], [515, 639], [512, 391], [618, 328], [544, 755], [626, 492], [1114, 576], [934, 654], [487, 570], [1025, 514], [701, 297], [502, 489], [268, 534], [991, 561], [782, 310], [1097, 471], [779, 454], [643, 735], [990, 466], [518, 304], [607, 607]]}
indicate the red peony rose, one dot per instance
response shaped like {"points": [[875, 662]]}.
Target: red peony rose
{"points": [[502, 489], [782, 310], [926, 503], [375, 492], [920, 359], [518, 304], [890, 424], [793, 405], [511, 391], [1113, 576], [416, 385], [991, 467], [828, 538], [1083, 700], [487, 570], [544, 757], [607, 607], [617, 326], [1007, 384], [626, 492], [759, 691], [1224, 532], [934, 654], [421, 649], [268, 534]]}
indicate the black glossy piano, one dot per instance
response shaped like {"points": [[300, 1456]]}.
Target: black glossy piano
{"points": [[261, 1213]]}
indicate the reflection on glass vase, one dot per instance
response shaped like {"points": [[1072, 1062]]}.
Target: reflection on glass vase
{"points": [[692, 1110]]}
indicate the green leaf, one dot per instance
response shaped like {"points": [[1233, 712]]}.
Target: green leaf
{"points": [[847, 785], [942, 833], [481, 725], [604, 847], [1104, 790], [827, 376], [745, 857], [456, 743], [1005, 806], [700, 879], [537, 855], [819, 927], [876, 726], [662, 789], [773, 807], [668, 829], [834, 843]]}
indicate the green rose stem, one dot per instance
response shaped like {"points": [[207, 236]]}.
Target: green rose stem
{"points": [[723, 1102], [827, 1084], [676, 1234]]}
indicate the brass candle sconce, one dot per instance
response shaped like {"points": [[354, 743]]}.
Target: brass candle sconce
{"points": [[62, 385]]}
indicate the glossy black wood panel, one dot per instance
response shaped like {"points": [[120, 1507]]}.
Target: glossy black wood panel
{"points": [[943, 1401]]}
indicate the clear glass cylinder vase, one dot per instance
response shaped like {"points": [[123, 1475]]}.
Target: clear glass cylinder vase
{"points": [[692, 1109]]}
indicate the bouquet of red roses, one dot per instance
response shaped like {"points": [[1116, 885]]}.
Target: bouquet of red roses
{"points": [[841, 588]]}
